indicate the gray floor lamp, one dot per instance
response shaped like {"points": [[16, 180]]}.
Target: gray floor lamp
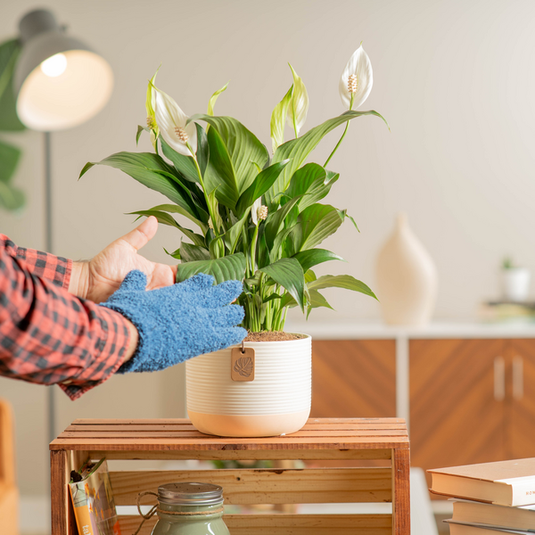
{"points": [[60, 83]]}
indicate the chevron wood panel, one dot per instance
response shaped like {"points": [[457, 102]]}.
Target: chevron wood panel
{"points": [[353, 378], [520, 415], [454, 416]]}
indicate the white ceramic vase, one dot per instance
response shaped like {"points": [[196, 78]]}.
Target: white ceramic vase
{"points": [[277, 401], [406, 278]]}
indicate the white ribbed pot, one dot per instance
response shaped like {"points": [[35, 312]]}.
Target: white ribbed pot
{"points": [[276, 402]]}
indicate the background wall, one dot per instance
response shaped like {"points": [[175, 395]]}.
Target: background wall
{"points": [[454, 78]]}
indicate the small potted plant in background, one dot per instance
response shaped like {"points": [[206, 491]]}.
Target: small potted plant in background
{"points": [[515, 281], [259, 219]]}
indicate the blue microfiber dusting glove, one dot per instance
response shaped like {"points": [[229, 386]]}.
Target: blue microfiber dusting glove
{"points": [[178, 322]]}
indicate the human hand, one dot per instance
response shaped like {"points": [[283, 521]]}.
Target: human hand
{"points": [[102, 275], [180, 321]]}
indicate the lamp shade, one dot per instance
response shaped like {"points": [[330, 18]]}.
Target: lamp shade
{"points": [[59, 81]]}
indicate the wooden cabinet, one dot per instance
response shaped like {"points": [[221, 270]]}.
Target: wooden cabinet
{"points": [[471, 401], [353, 378]]}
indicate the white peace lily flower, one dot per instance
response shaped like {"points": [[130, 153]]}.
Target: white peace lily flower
{"points": [[254, 210], [357, 80], [171, 121]]}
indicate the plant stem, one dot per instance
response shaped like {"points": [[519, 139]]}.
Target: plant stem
{"points": [[343, 135], [208, 203]]}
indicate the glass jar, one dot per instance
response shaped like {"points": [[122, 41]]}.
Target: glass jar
{"points": [[190, 509]]}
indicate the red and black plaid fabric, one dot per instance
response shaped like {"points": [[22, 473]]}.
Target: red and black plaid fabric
{"points": [[47, 335]]}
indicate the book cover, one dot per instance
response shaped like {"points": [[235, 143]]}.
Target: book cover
{"points": [[499, 516], [457, 528], [92, 500], [504, 482]]}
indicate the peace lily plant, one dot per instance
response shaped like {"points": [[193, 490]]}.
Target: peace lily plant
{"points": [[258, 216]]}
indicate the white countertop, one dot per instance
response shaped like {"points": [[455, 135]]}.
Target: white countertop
{"points": [[350, 330]]}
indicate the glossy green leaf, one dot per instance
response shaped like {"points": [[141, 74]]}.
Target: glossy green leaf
{"points": [[166, 219], [341, 281], [192, 253], [289, 274], [275, 220], [220, 175], [152, 171], [313, 257], [278, 119], [213, 99], [227, 268], [246, 152], [263, 181], [203, 150], [233, 234], [316, 300], [313, 182], [298, 149], [185, 165], [316, 223], [175, 209]]}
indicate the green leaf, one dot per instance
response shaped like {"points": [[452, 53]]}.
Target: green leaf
{"points": [[174, 254], [175, 209], [246, 152], [316, 300], [166, 219], [313, 257], [341, 281], [227, 268], [298, 108], [261, 184], [299, 149], [192, 253], [220, 175], [150, 170], [11, 198], [278, 119], [289, 274], [275, 220], [313, 182], [233, 234], [9, 53], [213, 99], [316, 223], [203, 150], [185, 165], [9, 158]]}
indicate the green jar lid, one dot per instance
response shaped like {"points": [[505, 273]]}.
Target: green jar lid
{"points": [[190, 494]]}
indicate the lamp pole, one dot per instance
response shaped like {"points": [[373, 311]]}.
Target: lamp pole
{"points": [[49, 248]]}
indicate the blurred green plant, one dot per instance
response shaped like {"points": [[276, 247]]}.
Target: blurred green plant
{"points": [[11, 198]]}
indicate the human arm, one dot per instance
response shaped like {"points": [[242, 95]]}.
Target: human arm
{"points": [[49, 336]]}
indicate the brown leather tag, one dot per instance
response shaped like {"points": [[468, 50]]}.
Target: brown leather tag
{"points": [[242, 364]]}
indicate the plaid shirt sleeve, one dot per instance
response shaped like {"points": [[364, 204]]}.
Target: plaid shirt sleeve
{"points": [[49, 336]]}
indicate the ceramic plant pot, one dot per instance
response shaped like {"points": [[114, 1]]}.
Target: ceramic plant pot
{"points": [[516, 284], [235, 394]]}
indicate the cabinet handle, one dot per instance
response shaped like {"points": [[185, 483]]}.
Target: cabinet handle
{"points": [[499, 379], [518, 377]]}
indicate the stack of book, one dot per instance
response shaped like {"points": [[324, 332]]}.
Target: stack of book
{"points": [[489, 498], [507, 311]]}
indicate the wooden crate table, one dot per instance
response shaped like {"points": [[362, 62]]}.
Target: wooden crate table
{"points": [[321, 440]]}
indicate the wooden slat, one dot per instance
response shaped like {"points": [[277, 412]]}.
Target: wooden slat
{"points": [[286, 524], [311, 426], [237, 455], [275, 486], [195, 434], [185, 421]]}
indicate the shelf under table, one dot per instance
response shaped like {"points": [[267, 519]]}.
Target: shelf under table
{"points": [[379, 447]]}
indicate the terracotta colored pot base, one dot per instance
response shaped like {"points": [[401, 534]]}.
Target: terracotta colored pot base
{"points": [[261, 425]]}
